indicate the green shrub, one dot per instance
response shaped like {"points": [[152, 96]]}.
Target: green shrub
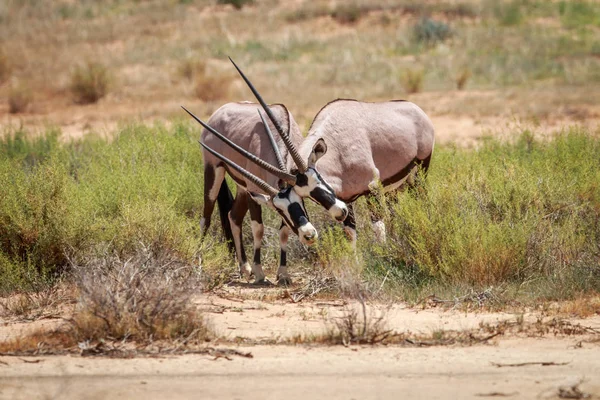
{"points": [[509, 13], [524, 215], [429, 31], [89, 82], [64, 202], [579, 13], [509, 213]]}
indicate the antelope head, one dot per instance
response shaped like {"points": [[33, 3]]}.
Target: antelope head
{"points": [[304, 180]]}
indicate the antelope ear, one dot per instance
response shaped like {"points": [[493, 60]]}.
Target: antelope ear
{"points": [[318, 151], [261, 199]]}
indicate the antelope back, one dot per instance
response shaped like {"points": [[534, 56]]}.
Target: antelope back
{"points": [[369, 142]]}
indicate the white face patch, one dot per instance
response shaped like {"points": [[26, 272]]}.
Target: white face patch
{"points": [[308, 234], [339, 210]]}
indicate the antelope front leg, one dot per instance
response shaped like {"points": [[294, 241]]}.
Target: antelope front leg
{"points": [[257, 234], [236, 218], [283, 278]]}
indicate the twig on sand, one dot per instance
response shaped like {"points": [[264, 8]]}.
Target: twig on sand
{"points": [[31, 361], [523, 364], [496, 394], [314, 286]]}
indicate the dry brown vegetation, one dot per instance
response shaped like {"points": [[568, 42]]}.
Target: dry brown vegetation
{"points": [[19, 98], [89, 82], [307, 53], [143, 297], [5, 68]]}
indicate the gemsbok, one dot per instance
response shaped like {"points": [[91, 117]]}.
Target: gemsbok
{"points": [[370, 144], [238, 140]]}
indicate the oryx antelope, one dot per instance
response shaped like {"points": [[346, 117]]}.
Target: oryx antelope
{"points": [[238, 140], [370, 143]]}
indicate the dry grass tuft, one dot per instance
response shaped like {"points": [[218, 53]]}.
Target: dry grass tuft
{"points": [[412, 80], [237, 4], [19, 98], [5, 68], [356, 327], [347, 13], [190, 68], [35, 305], [39, 343], [212, 88], [90, 82], [582, 307], [145, 297], [462, 78]]}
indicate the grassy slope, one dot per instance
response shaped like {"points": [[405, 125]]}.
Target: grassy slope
{"points": [[305, 54]]}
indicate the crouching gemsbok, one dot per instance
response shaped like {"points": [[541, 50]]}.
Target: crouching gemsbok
{"points": [[238, 140], [369, 143]]}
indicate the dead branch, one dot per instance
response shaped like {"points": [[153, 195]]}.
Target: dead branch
{"points": [[523, 364]]}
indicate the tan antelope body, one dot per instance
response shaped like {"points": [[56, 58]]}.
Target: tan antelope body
{"points": [[370, 143]]}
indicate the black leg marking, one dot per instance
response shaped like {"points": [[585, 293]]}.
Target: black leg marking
{"points": [[236, 217], [283, 260], [350, 221], [257, 228], [209, 204], [283, 278], [350, 224], [225, 202]]}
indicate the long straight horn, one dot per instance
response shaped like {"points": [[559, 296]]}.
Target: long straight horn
{"points": [[302, 167], [281, 174], [253, 178], [272, 140]]}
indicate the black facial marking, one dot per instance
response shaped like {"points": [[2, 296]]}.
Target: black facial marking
{"points": [[323, 197], [323, 182], [297, 214], [301, 180], [296, 211]]}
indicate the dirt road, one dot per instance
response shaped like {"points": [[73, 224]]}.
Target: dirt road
{"points": [[301, 372]]}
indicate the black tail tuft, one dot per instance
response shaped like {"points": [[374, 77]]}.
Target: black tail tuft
{"points": [[225, 203]]}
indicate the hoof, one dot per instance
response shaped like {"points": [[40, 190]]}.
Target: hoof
{"points": [[284, 281], [262, 282]]}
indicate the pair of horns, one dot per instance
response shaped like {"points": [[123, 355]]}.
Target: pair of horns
{"points": [[302, 167], [280, 172]]}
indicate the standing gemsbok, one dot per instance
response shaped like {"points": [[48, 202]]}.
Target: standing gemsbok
{"points": [[370, 144], [238, 140]]}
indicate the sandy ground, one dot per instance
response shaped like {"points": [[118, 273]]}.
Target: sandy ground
{"points": [[319, 372], [316, 373]]}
